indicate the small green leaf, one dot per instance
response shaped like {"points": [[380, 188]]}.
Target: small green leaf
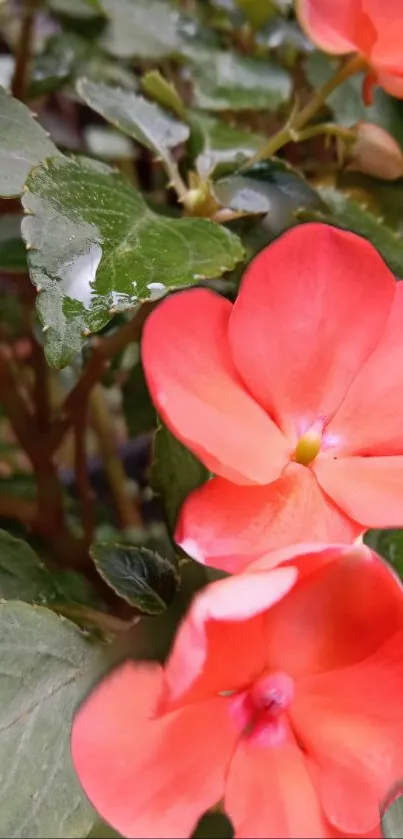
{"points": [[76, 8], [134, 115], [257, 12], [224, 81], [347, 103], [392, 816], [24, 577], [217, 145], [389, 544], [141, 28], [140, 576], [96, 248], [163, 92], [175, 472], [43, 662], [23, 144], [346, 213]]}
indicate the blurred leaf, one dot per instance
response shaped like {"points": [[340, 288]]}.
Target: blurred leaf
{"points": [[144, 121], [218, 145], [101, 830], [140, 576], [43, 659], [24, 577], [163, 92], [12, 250], [7, 64], [346, 213], [272, 187], [107, 144], [138, 409], [175, 472], [346, 102], [23, 144], [142, 28], [389, 544], [392, 816], [224, 81], [105, 250], [76, 8], [257, 12]]}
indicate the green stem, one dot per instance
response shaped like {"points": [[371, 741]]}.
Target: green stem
{"points": [[291, 131]]}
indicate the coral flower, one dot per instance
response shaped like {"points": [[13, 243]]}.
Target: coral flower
{"points": [[372, 28], [292, 397], [281, 701]]}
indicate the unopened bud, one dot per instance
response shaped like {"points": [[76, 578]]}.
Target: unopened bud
{"points": [[375, 153]]}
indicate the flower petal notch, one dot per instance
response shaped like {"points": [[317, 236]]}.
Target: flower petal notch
{"points": [[283, 394], [284, 704]]}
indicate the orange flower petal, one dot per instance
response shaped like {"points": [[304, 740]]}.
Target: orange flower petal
{"points": [[227, 615], [150, 778], [228, 526], [311, 308], [269, 793], [370, 419], [369, 489], [335, 616], [351, 723], [331, 24], [198, 393]]}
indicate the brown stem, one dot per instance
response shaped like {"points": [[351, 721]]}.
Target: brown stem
{"points": [[104, 350], [20, 78], [41, 387], [84, 488], [20, 509], [127, 511]]}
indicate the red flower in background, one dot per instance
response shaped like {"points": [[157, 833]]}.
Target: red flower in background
{"points": [[282, 701], [372, 28], [292, 397]]}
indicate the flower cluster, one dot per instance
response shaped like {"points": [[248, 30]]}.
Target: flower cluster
{"points": [[281, 698]]}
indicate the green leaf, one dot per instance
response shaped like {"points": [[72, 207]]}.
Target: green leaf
{"points": [[175, 472], [96, 248], [224, 81], [76, 8], [346, 213], [142, 577], [24, 577], [392, 817], [141, 28], [12, 251], [163, 92], [347, 103], [43, 659], [257, 12], [389, 544], [23, 144], [134, 115], [217, 145]]}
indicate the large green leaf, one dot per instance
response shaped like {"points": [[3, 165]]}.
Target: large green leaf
{"points": [[347, 103], [225, 81], [143, 28], [23, 144], [142, 577], [175, 472], [144, 121], [24, 577], [43, 662], [96, 247], [344, 212]]}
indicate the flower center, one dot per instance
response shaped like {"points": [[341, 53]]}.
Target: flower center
{"points": [[272, 693], [309, 444]]}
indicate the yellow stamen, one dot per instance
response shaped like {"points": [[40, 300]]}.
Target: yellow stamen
{"points": [[308, 445]]}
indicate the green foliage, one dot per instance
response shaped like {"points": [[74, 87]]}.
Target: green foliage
{"points": [[142, 577], [175, 472], [392, 818], [23, 144], [44, 661], [105, 250]]}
